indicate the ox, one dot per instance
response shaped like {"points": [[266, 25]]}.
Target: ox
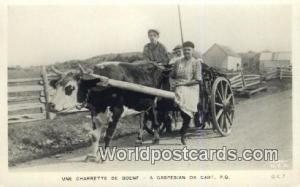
{"points": [[82, 88]]}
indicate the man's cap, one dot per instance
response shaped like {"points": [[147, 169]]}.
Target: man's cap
{"points": [[153, 30], [188, 44], [177, 47]]}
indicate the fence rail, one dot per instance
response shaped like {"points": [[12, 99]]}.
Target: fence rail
{"points": [[244, 80], [281, 73], [252, 83], [246, 84], [27, 98], [285, 73]]}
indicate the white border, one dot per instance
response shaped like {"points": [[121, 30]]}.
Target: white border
{"points": [[238, 178]]}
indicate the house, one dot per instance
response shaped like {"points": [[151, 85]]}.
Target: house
{"points": [[222, 57], [250, 61], [268, 61]]}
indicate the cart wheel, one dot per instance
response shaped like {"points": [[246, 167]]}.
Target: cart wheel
{"points": [[222, 105]]}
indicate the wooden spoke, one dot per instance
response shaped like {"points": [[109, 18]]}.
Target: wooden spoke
{"points": [[221, 121], [224, 122], [229, 113], [219, 104], [226, 127], [219, 94], [222, 89], [219, 114], [226, 90], [229, 97], [228, 118]]}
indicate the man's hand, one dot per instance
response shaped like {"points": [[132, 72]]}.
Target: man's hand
{"points": [[104, 82], [179, 84], [160, 64]]}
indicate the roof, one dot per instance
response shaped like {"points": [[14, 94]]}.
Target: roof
{"points": [[266, 56], [275, 56], [282, 56], [249, 54], [227, 50]]}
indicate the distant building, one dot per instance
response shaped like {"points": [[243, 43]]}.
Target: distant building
{"points": [[250, 61], [269, 61], [222, 57]]}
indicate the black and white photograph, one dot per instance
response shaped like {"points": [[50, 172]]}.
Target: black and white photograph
{"points": [[150, 88]]}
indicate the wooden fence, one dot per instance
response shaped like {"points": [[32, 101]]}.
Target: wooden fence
{"points": [[242, 81], [285, 73], [281, 73], [247, 84], [27, 98], [239, 80]]}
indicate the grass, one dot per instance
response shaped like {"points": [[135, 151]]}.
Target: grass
{"points": [[24, 73], [32, 140]]}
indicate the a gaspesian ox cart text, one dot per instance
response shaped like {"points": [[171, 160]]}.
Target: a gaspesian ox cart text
{"points": [[185, 154], [151, 177]]}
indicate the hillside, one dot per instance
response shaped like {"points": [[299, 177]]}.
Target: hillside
{"points": [[34, 71], [123, 57]]}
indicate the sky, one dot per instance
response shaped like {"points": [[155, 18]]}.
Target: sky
{"points": [[40, 35]]}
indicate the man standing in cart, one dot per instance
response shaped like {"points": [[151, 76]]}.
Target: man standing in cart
{"points": [[155, 51], [177, 54]]}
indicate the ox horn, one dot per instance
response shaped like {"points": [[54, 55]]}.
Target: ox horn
{"points": [[84, 71], [57, 71]]}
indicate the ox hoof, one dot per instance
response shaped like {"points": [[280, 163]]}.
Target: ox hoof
{"points": [[99, 161], [93, 158], [155, 141], [183, 140], [92, 137], [89, 158], [138, 142]]}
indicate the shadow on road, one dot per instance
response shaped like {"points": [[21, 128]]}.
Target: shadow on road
{"points": [[193, 133]]}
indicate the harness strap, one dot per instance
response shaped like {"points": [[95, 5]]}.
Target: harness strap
{"points": [[93, 115]]}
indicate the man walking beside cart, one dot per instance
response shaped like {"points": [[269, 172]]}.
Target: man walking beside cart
{"points": [[186, 77]]}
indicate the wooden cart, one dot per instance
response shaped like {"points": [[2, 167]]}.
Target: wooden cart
{"points": [[216, 105]]}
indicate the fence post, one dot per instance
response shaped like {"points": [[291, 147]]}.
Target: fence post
{"points": [[243, 79], [280, 73], [46, 92]]}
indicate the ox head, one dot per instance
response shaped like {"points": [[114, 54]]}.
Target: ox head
{"points": [[70, 93]]}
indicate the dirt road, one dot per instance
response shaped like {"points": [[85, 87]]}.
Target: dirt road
{"points": [[260, 123]]}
